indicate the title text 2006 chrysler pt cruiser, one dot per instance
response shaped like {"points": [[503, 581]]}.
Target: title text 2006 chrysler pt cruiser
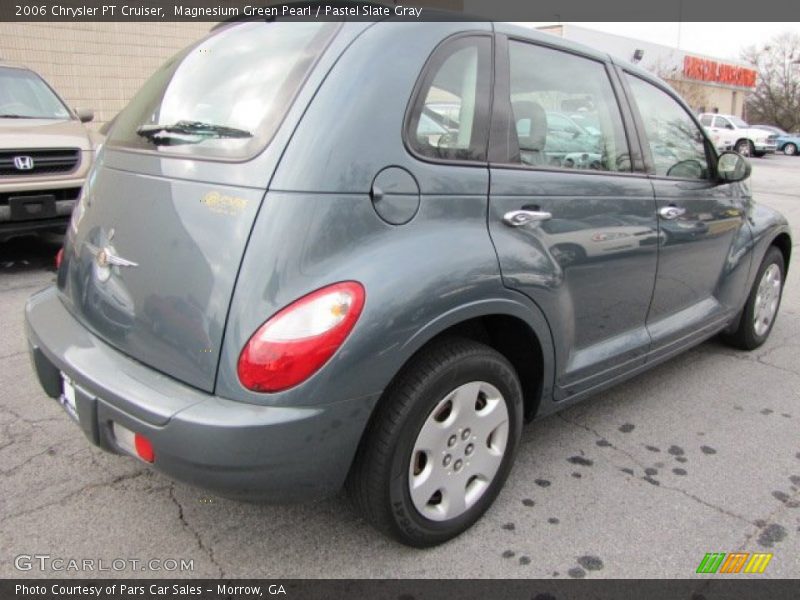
{"points": [[323, 254]]}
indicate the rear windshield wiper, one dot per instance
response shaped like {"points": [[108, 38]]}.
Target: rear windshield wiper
{"points": [[158, 132]]}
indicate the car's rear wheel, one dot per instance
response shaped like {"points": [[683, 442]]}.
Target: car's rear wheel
{"points": [[790, 149], [440, 445], [758, 315]]}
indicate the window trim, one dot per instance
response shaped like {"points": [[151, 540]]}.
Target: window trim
{"points": [[499, 150], [711, 155], [483, 106]]}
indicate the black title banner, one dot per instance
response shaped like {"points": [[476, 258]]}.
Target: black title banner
{"points": [[409, 10], [715, 588]]}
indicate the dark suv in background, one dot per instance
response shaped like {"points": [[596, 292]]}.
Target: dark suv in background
{"points": [[45, 154], [318, 254]]}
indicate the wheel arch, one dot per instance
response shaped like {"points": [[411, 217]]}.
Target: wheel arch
{"points": [[783, 242], [514, 327]]}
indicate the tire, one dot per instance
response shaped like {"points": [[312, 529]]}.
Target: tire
{"points": [[759, 154], [388, 459], [749, 335], [744, 147], [790, 149], [568, 254]]}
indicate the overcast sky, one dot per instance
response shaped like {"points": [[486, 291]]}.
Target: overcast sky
{"points": [[720, 40]]}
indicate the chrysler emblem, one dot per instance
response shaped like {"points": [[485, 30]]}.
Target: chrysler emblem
{"points": [[23, 163], [104, 259]]}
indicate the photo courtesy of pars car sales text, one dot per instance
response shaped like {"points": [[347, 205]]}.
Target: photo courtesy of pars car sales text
{"points": [[128, 590]]}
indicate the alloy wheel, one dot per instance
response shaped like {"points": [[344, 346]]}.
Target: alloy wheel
{"points": [[767, 299]]}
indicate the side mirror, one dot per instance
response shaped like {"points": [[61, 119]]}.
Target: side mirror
{"points": [[85, 114], [732, 167]]}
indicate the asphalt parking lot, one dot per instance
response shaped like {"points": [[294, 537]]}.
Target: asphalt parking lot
{"points": [[700, 455]]}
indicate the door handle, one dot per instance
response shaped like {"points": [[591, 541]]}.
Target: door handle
{"points": [[671, 212], [517, 218]]}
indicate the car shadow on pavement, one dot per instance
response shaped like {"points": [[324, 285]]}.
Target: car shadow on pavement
{"points": [[29, 253]]}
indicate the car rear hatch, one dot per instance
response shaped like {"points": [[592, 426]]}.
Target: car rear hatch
{"points": [[155, 243]]}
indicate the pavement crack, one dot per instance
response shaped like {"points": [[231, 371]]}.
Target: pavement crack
{"points": [[30, 459], [772, 517], [661, 484], [753, 359], [64, 499], [208, 550]]}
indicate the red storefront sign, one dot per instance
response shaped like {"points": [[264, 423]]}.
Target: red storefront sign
{"points": [[709, 70]]}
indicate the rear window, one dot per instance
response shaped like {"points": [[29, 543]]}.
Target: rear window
{"points": [[226, 96]]}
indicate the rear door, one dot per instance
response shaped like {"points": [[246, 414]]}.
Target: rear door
{"points": [[572, 218], [702, 264]]}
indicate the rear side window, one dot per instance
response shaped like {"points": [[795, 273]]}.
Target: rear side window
{"points": [[705, 120], [565, 113], [449, 114], [226, 96], [676, 143]]}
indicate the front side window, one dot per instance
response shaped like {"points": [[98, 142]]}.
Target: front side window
{"points": [[676, 143], [564, 110], [23, 95], [449, 118], [723, 123], [226, 96]]}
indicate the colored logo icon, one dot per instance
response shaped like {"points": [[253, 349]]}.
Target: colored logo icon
{"points": [[735, 562]]}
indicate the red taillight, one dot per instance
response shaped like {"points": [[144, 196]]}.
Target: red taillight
{"points": [[294, 343], [59, 257], [144, 448]]}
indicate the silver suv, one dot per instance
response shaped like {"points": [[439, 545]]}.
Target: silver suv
{"points": [[45, 154]]}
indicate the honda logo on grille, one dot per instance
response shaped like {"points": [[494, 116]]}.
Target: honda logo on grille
{"points": [[23, 163]]}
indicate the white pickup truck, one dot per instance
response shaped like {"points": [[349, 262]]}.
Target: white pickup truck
{"points": [[730, 132]]}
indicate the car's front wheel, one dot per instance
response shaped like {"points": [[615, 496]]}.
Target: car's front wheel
{"points": [[790, 149], [745, 147], [440, 445], [761, 309]]}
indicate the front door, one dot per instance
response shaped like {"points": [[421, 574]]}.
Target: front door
{"points": [[573, 224], [702, 265]]}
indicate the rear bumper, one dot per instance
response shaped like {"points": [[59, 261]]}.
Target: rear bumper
{"points": [[235, 449]]}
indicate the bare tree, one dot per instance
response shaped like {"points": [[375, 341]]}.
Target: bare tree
{"points": [[776, 99], [690, 91]]}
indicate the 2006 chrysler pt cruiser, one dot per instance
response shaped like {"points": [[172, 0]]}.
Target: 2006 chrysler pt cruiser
{"points": [[322, 254]]}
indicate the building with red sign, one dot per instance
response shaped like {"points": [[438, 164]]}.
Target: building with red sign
{"points": [[707, 84]]}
